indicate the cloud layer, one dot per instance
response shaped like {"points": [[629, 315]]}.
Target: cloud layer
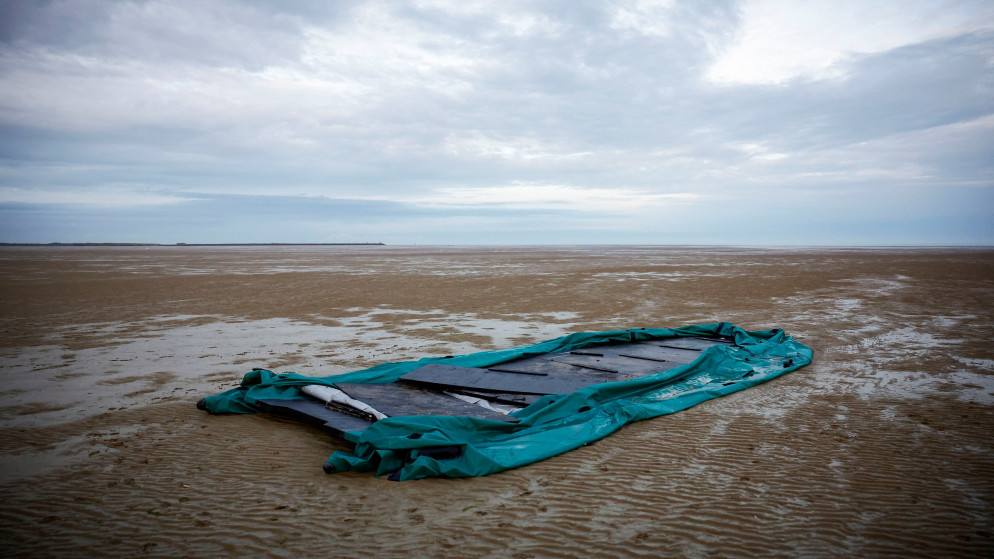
{"points": [[497, 122]]}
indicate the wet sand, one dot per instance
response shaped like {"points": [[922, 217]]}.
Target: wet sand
{"points": [[883, 446]]}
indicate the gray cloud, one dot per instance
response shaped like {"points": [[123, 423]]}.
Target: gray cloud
{"points": [[128, 106], [218, 33]]}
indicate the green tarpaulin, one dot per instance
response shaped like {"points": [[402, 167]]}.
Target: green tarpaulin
{"points": [[413, 447]]}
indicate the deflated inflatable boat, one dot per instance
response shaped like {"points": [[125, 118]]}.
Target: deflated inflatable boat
{"points": [[483, 413]]}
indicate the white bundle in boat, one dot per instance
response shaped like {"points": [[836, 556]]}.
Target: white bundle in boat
{"points": [[331, 395], [503, 409]]}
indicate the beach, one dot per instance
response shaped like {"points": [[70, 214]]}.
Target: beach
{"points": [[884, 445]]}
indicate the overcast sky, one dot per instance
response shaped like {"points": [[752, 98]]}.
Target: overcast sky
{"points": [[497, 122]]}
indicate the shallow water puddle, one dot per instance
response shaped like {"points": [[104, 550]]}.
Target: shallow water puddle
{"points": [[123, 365]]}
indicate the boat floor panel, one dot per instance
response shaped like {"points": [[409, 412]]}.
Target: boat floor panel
{"points": [[393, 399], [315, 412]]}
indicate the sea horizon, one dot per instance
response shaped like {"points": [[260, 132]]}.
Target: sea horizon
{"points": [[492, 245]]}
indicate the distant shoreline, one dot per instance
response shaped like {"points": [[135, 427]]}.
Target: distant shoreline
{"points": [[181, 244], [984, 248]]}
